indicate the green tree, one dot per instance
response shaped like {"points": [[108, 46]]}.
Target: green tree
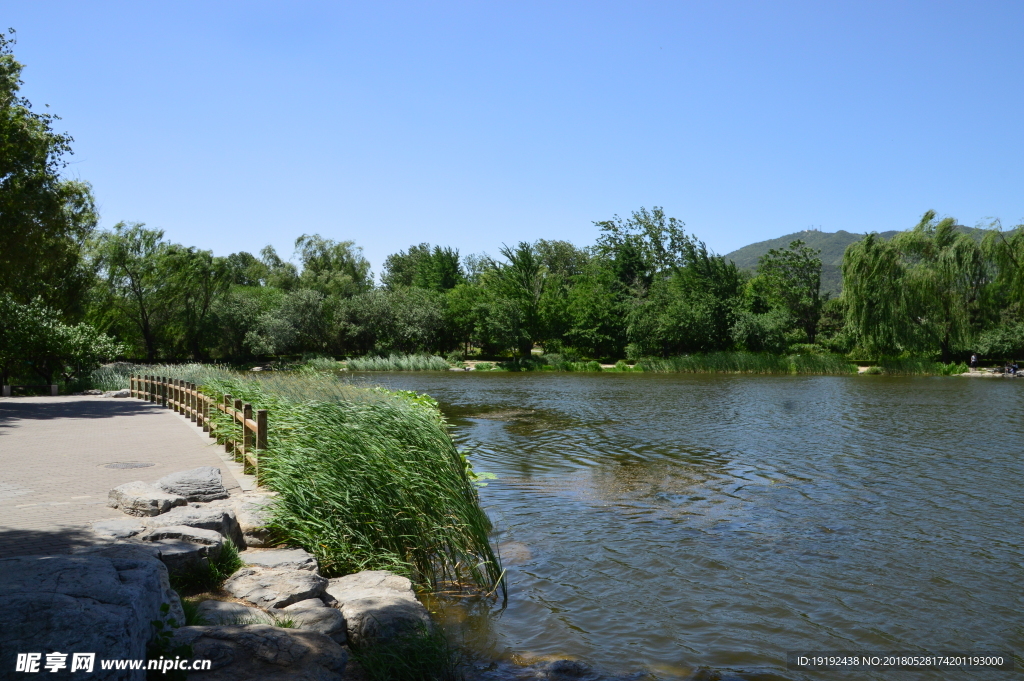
{"points": [[44, 219], [790, 279], [520, 283], [334, 268], [917, 292], [136, 290]]}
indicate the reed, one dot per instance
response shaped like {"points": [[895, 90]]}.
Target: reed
{"points": [[749, 363], [920, 367], [399, 363], [366, 478]]}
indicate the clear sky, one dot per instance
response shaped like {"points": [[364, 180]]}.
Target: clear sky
{"points": [[231, 125]]}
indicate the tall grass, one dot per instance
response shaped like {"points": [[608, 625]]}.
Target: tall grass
{"points": [[749, 363], [112, 376], [367, 478], [921, 367], [399, 363], [548, 362]]}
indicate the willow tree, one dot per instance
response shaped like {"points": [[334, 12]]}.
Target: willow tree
{"points": [[917, 292]]}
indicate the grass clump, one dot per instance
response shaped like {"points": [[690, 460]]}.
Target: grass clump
{"points": [[422, 654], [366, 478], [210, 575], [397, 362]]}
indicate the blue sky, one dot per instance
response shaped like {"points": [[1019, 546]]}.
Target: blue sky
{"points": [[231, 125]]}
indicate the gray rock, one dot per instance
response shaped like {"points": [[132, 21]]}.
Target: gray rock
{"points": [[118, 528], [220, 519], [231, 613], [212, 541], [295, 559], [182, 557], [260, 651], [179, 557], [377, 604], [83, 603], [142, 499], [199, 484], [91, 392], [313, 615], [274, 588], [117, 393], [253, 513]]}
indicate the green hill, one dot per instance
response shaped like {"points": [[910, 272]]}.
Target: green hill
{"points": [[831, 244]]}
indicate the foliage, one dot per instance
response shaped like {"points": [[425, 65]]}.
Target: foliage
{"points": [[789, 280], [436, 270], [44, 218], [332, 268], [917, 292], [34, 340]]}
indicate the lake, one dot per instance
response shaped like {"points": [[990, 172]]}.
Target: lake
{"points": [[671, 522]]}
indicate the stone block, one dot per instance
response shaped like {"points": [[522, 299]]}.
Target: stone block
{"points": [[142, 499]]}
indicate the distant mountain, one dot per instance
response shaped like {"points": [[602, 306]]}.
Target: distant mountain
{"points": [[831, 244]]}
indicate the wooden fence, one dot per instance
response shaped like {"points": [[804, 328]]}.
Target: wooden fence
{"points": [[245, 439]]}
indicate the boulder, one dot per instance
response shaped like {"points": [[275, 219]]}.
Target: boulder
{"points": [[183, 557], [142, 499], [193, 535], [83, 603], [295, 559], [231, 613], [264, 652], [253, 514], [313, 615], [117, 393], [377, 604], [179, 557], [199, 484], [274, 588], [118, 528], [216, 518]]}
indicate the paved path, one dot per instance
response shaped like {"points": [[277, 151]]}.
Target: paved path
{"points": [[54, 453]]}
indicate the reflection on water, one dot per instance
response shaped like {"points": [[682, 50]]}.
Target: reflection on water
{"points": [[669, 523]]}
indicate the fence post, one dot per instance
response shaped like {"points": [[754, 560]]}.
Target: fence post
{"points": [[241, 441], [227, 433], [146, 388], [206, 414], [192, 403], [248, 437], [162, 399], [131, 385], [261, 440]]}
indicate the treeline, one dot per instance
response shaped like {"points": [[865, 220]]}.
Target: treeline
{"points": [[644, 288]]}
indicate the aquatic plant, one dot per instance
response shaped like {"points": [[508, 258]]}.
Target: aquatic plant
{"points": [[367, 478], [921, 367], [749, 363], [397, 362]]}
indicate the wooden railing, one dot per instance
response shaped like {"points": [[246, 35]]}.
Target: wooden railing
{"points": [[245, 439]]}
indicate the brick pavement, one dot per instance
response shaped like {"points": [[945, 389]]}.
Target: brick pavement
{"points": [[53, 456]]}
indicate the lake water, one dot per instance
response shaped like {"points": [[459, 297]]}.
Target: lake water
{"points": [[671, 522]]}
